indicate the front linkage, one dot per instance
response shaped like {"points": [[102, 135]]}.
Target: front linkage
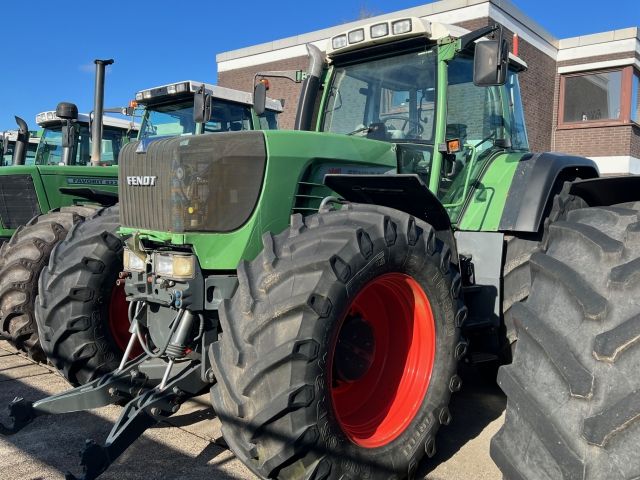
{"points": [[154, 385]]}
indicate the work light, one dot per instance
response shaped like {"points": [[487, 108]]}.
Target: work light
{"points": [[132, 262], [380, 30], [356, 36], [174, 265], [339, 41], [401, 26]]}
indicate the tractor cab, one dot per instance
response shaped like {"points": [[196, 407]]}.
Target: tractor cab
{"points": [[116, 133], [425, 88], [8, 139], [193, 108]]}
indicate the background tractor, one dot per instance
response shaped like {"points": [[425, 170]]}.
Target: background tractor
{"points": [[167, 110], [9, 139], [332, 350]]}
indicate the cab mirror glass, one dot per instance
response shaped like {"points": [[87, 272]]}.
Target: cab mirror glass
{"points": [[259, 98], [490, 63], [201, 106], [68, 135]]}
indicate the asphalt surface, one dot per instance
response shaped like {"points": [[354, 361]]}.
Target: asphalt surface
{"points": [[185, 447]]}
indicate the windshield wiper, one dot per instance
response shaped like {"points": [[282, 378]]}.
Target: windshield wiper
{"points": [[360, 130]]}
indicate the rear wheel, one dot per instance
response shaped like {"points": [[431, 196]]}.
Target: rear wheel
{"points": [[338, 352], [21, 261], [573, 404], [81, 313]]}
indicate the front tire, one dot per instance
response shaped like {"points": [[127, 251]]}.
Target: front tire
{"points": [[338, 352], [81, 313], [572, 391]]}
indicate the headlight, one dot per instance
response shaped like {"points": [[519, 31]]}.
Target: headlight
{"points": [[146, 94], [401, 26], [380, 30], [132, 262], [339, 41], [356, 36], [174, 266], [139, 96]]}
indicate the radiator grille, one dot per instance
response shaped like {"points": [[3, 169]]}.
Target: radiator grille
{"points": [[205, 183], [18, 200]]}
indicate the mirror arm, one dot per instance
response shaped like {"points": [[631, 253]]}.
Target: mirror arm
{"points": [[469, 38], [296, 76]]}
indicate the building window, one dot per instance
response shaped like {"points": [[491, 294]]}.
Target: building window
{"points": [[635, 97], [603, 97]]}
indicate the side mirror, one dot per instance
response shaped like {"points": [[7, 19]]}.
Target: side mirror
{"points": [[260, 98], [201, 106], [68, 134], [490, 63]]}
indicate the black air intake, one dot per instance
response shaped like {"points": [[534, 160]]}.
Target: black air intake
{"points": [[205, 183]]}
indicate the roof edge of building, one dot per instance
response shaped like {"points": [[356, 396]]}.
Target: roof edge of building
{"points": [[429, 9]]}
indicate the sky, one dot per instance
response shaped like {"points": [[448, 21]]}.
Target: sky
{"points": [[49, 47]]}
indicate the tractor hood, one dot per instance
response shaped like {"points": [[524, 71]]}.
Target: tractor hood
{"points": [[219, 193]]}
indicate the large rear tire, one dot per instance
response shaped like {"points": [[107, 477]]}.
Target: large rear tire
{"points": [[338, 352], [516, 273], [81, 313], [573, 403], [21, 260]]}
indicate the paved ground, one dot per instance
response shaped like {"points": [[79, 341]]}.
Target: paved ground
{"points": [[49, 447]]}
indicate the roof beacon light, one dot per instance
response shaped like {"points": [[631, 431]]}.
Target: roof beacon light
{"points": [[356, 36], [380, 30], [339, 41], [401, 26]]}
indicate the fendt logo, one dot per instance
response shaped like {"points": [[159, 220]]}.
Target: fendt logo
{"points": [[142, 181]]}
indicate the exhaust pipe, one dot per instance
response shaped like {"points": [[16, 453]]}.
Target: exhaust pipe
{"points": [[98, 110], [309, 92], [20, 149]]}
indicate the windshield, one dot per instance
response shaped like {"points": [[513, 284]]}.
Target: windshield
{"points": [[390, 99], [50, 150], [177, 119]]}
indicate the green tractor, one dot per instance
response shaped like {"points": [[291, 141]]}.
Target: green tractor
{"points": [[386, 240], [168, 110], [11, 138]]}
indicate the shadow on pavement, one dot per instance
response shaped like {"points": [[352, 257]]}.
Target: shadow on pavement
{"points": [[476, 405], [50, 445]]}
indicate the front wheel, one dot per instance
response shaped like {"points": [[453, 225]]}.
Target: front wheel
{"points": [[81, 312], [338, 353]]}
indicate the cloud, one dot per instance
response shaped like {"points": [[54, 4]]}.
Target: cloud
{"points": [[87, 67], [90, 67]]}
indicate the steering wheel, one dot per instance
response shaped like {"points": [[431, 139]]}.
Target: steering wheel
{"points": [[416, 128]]}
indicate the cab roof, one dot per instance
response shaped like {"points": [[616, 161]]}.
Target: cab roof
{"points": [[184, 87], [380, 32], [48, 118]]}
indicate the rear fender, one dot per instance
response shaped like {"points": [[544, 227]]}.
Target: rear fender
{"points": [[537, 179], [406, 193]]}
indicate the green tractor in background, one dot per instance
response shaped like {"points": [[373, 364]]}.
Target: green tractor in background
{"points": [[11, 138], [332, 351], [168, 110]]}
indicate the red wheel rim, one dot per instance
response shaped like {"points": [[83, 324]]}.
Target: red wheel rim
{"points": [[378, 407], [119, 321]]}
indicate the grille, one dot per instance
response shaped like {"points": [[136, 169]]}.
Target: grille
{"points": [[18, 200], [208, 183]]}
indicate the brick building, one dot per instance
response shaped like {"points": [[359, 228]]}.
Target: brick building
{"points": [[580, 94]]}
